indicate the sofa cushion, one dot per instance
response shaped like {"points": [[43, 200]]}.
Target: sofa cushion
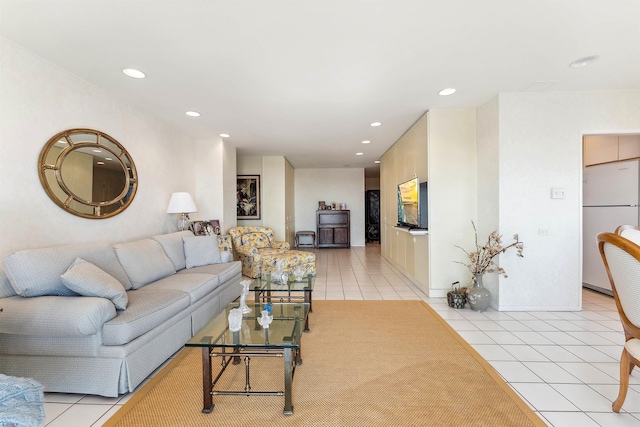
{"points": [[146, 310], [144, 261], [88, 280], [53, 316], [225, 271], [196, 285], [201, 250], [256, 240], [174, 247], [226, 257], [35, 272], [6, 290]]}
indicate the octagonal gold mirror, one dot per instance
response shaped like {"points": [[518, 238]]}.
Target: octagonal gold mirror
{"points": [[88, 173]]}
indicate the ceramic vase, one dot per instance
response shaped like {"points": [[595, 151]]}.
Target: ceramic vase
{"points": [[478, 296]]}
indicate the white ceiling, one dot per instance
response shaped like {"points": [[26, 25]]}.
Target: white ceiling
{"points": [[304, 78]]}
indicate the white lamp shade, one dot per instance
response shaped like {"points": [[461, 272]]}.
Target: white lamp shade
{"points": [[181, 202]]}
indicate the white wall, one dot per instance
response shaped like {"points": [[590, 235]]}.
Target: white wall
{"points": [[274, 197], [540, 147], [330, 185], [215, 196], [229, 197], [251, 165], [487, 135], [452, 194], [38, 100]]}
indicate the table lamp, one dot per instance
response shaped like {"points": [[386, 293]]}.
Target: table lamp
{"points": [[182, 203]]}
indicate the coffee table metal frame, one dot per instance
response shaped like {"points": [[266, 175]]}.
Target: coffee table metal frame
{"points": [[264, 288], [282, 339]]}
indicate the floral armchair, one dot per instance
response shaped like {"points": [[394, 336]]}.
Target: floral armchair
{"points": [[251, 243]]}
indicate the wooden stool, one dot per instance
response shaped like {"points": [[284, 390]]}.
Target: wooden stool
{"points": [[311, 234]]}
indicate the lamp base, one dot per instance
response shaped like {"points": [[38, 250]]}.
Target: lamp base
{"points": [[183, 222]]}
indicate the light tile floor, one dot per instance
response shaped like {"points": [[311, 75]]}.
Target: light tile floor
{"points": [[563, 364]]}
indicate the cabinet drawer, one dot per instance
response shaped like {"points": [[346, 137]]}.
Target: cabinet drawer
{"points": [[333, 219]]}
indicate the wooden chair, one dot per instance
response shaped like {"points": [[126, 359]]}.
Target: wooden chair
{"points": [[630, 232], [621, 258]]}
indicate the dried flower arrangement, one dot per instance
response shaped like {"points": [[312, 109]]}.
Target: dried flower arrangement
{"points": [[481, 260]]}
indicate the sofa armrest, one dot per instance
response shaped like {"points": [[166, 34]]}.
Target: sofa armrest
{"points": [[55, 316], [281, 245]]}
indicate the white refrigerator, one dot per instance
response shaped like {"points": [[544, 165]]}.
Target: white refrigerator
{"points": [[610, 198]]}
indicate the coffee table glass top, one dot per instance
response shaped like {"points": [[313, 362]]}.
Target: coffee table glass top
{"points": [[285, 330], [268, 284]]}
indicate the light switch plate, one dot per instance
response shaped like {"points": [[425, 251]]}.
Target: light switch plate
{"points": [[557, 193]]}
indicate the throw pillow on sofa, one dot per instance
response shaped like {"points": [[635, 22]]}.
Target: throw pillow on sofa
{"points": [[144, 261], [87, 279], [201, 250]]}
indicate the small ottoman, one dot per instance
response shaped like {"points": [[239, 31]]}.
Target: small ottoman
{"points": [[290, 260]]}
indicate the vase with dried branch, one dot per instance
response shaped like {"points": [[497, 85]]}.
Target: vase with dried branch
{"points": [[481, 261]]}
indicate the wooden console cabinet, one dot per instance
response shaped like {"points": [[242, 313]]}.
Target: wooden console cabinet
{"points": [[334, 229]]}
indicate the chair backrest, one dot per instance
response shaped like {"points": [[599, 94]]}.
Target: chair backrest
{"points": [[621, 259], [249, 231], [630, 232]]}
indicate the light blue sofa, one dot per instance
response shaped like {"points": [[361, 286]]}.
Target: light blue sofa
{"points": [[61, 324]]}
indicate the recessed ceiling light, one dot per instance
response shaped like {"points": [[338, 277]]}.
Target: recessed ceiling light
{"points": [[108, 158], [377, 161], [366, 142], [375, 124], [97, 151], [100, 163], [136, 74], [583, 62], [225, 135], [192, 114], [359, 154], [447, 91]]}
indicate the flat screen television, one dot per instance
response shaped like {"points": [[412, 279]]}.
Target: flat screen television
{"points": [[412, 204]]}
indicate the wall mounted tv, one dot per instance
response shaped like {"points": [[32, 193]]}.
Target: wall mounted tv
{"points": [[412, 204]]}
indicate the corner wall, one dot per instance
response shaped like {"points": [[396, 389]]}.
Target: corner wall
{"points": [[540, 147], [452, 195], [440, 148], [488, 176]]}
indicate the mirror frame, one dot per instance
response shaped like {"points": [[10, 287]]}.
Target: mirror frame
{"points": [[131, 178]]}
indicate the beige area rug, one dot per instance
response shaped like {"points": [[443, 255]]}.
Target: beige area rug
{"points": [[365, 363]]}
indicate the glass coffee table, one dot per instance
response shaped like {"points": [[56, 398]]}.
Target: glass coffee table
{"points": [[267, 289], [282, 339]]}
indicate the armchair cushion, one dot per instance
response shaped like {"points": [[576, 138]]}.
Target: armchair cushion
{"points": [[256, 240], [281, 245]]}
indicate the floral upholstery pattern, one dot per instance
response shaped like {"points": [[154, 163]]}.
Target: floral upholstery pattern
{"points": [[224, 244], [251, 243], [257, 240], [290, 260]]}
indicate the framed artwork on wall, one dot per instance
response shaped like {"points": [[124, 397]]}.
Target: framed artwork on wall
{"points": [[248, 197]]}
